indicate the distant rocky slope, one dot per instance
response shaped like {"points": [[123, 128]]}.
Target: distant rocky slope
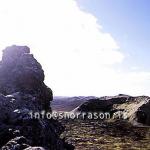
{"points": [[62, 103], [22, 90], [134, 109]]}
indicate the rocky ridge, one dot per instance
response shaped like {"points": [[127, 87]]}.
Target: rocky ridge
{"points": [[136, 110]]}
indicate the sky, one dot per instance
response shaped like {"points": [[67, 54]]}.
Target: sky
{"points": [[86, 47]]}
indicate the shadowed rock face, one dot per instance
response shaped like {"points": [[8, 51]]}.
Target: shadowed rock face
{"points": [[22, 90], [143, 113], [20, 72]]}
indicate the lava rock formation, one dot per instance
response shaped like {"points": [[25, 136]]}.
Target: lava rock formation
{"points": [[22, 90]]}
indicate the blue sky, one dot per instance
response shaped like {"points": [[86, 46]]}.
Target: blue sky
{"points": [[86, 47], [128, 21]]}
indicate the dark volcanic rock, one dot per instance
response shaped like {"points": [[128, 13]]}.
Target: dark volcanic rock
{"points": [[20, 72], [17, 143], [143, 113], [22, 90]]}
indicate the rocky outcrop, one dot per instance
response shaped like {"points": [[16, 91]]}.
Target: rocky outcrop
{"points": [[22, 90], [20, 72], [133, 109]]}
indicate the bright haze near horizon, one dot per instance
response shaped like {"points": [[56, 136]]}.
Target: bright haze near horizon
{"points": [[86, 47]]}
